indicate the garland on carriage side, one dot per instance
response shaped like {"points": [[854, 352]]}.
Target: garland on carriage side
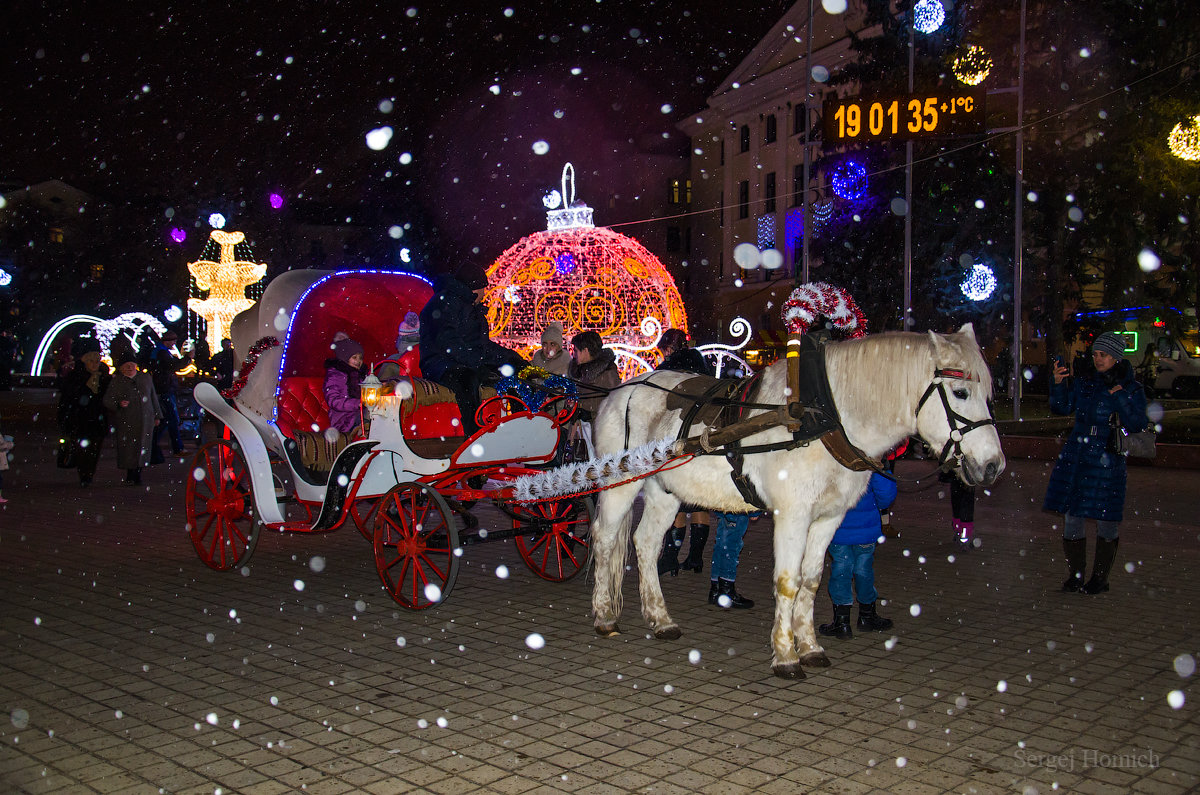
{"points": [[533, 386], [818, 299], [264, 344], [597, 474]]}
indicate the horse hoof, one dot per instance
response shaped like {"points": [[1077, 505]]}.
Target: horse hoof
{"points": [[668, 633], [815, 659], [788, 671], [608, 631]]}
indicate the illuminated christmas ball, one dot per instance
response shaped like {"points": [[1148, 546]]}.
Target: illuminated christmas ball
{"points": [[583, 277], [979, 284], [928, 15], [1184, 139], [972, 65], [849, 180]]}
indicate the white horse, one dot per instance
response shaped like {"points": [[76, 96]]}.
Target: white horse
{"points": [[886, 387]]}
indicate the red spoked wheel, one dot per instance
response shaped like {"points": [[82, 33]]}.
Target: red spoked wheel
{"points": [[220, 509], [416, 545], [362, 511], [554, 536]]}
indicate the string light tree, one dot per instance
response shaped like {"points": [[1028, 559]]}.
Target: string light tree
{"points": [[224, 271], [585, 278]]}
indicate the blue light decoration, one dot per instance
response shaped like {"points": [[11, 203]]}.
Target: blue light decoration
{"points": [[564, 263], [928, 16], [980, 283], [849, 180], [5, 278], [793, 227], [766, 232]]}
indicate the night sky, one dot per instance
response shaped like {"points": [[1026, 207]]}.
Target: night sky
{"points": [[207, 98]]}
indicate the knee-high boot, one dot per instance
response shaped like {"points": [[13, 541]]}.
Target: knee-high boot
{"points": [[1106, 553], [1076, 551], [668, 559], [695, 556]]}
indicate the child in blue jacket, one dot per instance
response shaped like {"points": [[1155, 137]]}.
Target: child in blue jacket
{"points": [[853, 554]]}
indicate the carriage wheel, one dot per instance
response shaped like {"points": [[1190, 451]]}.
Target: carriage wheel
{"points": [[554, 536], [416, 545], [220, 510], [362, 511]]}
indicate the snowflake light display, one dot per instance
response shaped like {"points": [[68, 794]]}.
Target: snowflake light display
{"points": [[583, 277], [972, 65], [928, 15], [980, 283], [849, 180], [5, 278], [818, 299], [225, 278], [1184, 139]]}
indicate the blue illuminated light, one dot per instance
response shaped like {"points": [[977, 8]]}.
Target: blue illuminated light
{"points": [[564, 263], [928, 16], [849, 180]]}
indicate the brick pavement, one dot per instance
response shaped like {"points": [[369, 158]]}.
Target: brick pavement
{"points": [[127, 666]]}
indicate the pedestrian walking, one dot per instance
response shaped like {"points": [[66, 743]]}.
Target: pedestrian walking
{"points": [[1088, 480], [853, 554], [222, 365], [81, 417], [164, 367], [136, 411]]}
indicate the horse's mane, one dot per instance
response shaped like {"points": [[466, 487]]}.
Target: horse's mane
{"points": [[889, 372]]}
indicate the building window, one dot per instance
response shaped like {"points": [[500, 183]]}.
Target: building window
{"points": [[56, 235], [745, 139], [722, 153], [680, 191], [797, 184], [772, 132], [769, 193], [673, 239], [744, 199], [798, 120]]}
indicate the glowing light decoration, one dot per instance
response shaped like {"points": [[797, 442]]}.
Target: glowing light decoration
{"points": [[172, 313], [980, 283], [130, 325], [178, 235], [818, 299], [928, 16], [226, 279], [587, 279], [5, 278], [276, 201], [972, 65], [849, 180], [1184, 139], [216, 221], [766, 232]]}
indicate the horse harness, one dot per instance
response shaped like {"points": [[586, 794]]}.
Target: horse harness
{"points": [[719, 403], [953, 446]]}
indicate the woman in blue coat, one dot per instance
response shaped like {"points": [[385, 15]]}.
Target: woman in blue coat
{"points": [[1088, 481]]}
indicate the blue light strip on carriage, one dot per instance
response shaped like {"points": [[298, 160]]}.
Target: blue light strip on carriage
{"points": [[296, 311]]}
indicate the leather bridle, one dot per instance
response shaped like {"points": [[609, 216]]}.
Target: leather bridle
{"points": [[960, 426]]}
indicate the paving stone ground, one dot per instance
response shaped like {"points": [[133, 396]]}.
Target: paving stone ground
{"points": [[126, 665]]}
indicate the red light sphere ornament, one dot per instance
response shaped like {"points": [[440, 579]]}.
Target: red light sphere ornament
{"points": [[818, 299], [583, 277]]}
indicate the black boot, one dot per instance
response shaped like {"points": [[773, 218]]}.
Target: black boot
{"points": [[724, 588], [695, 556], [840, 626], [869, 619], [668, 560], [1076, 551], [1106, 552]]}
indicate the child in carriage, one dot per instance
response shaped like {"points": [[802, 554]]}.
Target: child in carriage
{"points": [[343, 376]]}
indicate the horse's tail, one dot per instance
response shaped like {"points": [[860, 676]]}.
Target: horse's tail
{"points": [[613, 552]]}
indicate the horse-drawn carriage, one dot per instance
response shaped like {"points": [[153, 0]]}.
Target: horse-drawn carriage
{"points": [[408, 486]]}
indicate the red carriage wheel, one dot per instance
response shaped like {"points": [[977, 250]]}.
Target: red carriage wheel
{"points": [[553, 536], [416, 545], [220, 509], [362, 511]]}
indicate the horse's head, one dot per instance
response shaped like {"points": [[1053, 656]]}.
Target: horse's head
{"points": [[954, 415]]}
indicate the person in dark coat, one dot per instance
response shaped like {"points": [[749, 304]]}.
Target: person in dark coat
{"points": [[455, 348], [165, 366], [81, 416], [135, 409], [678, 355], [342, 387], [1088, 481], [592, 365], [8, 358], [222, 364]]}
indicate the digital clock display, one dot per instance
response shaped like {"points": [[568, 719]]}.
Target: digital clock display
{"points": [[903, 117]]}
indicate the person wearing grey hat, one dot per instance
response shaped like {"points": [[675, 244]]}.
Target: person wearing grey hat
{"points": [[1088, 480]]}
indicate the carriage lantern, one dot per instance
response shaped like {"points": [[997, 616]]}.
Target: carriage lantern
{"points": [[369, 389]]}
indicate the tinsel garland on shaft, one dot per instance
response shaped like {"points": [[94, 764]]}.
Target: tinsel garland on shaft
{"points": [[598, 473], [266, 343]]}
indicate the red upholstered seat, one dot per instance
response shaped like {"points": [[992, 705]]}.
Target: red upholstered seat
{"points": [[302, 406]]}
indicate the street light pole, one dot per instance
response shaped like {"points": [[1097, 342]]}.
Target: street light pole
{"points": [[804, 225], [1017, 381], [908, 169]]}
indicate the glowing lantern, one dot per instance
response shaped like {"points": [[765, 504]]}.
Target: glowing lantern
{"points": [[1184, 139], [226, 280], [583, 277], [972, 65], [369, 389]]}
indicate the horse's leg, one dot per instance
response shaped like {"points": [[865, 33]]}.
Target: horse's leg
{"points": [[658, 509], [813, 564], [610, 542], [791, 530]]}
